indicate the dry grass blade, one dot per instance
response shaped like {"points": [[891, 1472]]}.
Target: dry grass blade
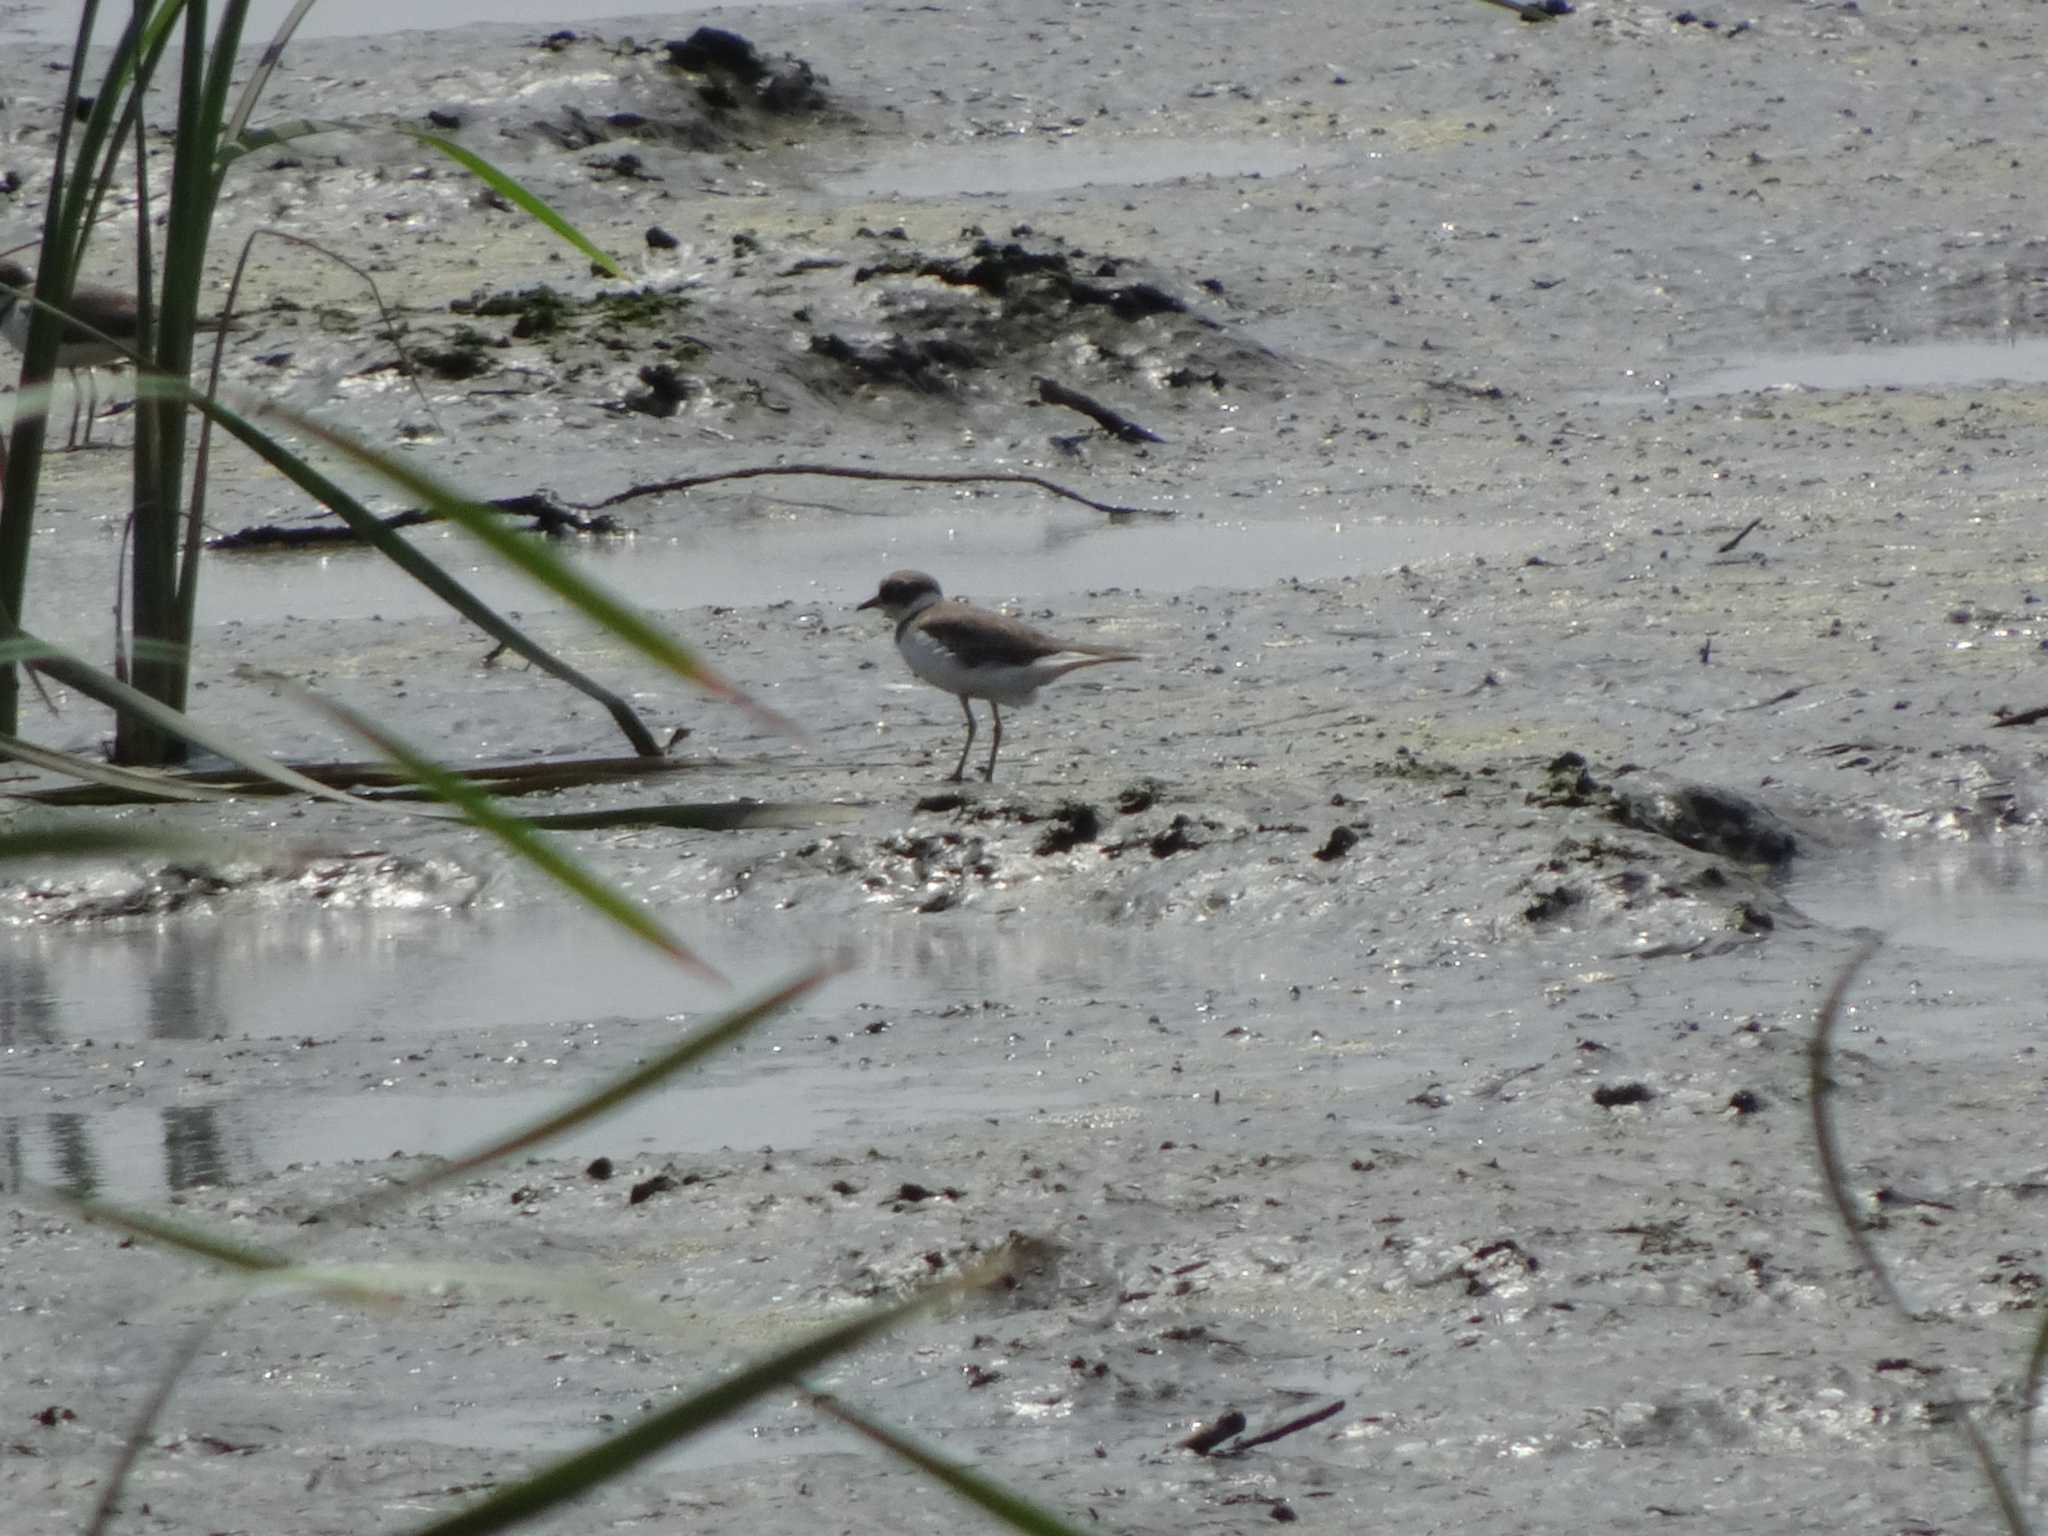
{"points": [[56, 662], [373, 779], [132, 784], [704, 816]]}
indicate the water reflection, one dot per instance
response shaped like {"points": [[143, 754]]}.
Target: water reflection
{"points": [[1986, 898], [342, 1036], [28, 1014]]}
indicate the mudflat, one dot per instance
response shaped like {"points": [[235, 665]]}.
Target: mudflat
{"points": [[1600, 545]]}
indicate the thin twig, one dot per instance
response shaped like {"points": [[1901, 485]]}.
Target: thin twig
{"points": [[847, 472], [2030, 1397], [1833, 1179], [141, 1429], [2024, 717], [1118, 425], [1819, 1085], [1292, 1426], [1748, 528]]}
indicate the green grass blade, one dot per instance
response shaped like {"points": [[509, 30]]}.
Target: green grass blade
{"points": [[247, 141], [692, 1048], [408, 559], [1013, 1509], [363, 1285], [509, 189], [179, 1235], [277, 136], [266, 66], [543, 565], [517, 834], [577, 1474]]}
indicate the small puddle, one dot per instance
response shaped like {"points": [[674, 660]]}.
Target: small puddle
{"points": [[355, 1036], [1924, 365], [1981, 901], [995, 556], [1028, 165], [45, 22]]}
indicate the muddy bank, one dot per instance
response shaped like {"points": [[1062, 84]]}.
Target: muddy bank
{"points": [[1394, 992]]}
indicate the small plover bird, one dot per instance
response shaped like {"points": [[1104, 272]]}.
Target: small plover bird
{"points": [[107, 310], [975, 654]]}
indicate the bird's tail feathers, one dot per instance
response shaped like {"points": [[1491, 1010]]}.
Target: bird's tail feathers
{"points": [[1088, 656]]}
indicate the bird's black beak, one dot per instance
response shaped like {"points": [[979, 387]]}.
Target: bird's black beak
{"points": [[873, 602]]}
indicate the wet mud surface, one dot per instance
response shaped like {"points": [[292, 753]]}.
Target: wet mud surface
{"points": [[1393, 992]]}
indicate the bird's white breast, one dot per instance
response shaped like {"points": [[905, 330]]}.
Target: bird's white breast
{"points": [[1005, 684]]}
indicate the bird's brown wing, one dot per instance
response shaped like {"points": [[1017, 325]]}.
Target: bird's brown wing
{"points": [[982, 639]]}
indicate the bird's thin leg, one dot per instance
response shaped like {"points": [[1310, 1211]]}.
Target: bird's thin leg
{"points": [[92, 401], [960, 768], [71, 440], [995, 746]]}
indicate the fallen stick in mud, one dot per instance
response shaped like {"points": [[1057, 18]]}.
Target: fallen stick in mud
{"points": [[1747, 528], [848, 472], [1291, 1427], [1053, 392], [1533, 10], [549, 517], [2024, 717]]}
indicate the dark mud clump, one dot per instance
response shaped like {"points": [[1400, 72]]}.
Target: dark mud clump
{"points": [[1703, 817], [1008, 317], [734, 74], [1707, 818], [732, 79]]}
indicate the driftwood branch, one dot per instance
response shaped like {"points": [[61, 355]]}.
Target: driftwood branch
{"points": [[382, 780], [2024, 717], [1053, 392], [1291, 1427], [1747, 528], [847, 472], [549, 517]]}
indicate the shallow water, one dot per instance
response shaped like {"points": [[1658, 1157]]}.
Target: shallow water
{"points": [[1979, 901], [1055, 164], [1922, 365], [43, 22], [829, 560], [380, 1015]]}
